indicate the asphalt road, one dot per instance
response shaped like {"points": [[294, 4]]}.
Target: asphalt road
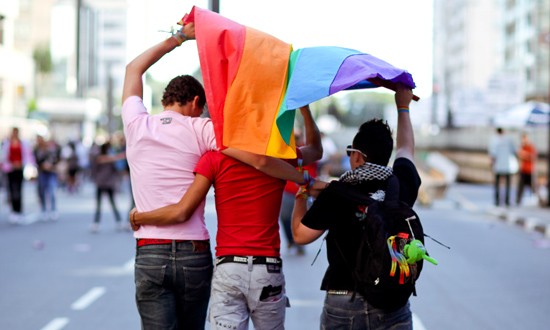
{"points": [[58, 275]]}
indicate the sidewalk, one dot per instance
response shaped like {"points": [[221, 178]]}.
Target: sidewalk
{"points": [[478, 198]]}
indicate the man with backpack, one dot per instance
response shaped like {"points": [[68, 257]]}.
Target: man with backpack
{"points": [[340, 209]]}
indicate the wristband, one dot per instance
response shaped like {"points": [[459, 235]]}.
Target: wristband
{"points": [[302, 193], [402, 110], [133, 218], [179, 36]]}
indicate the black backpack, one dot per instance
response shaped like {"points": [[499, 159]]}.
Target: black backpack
{"points": [[381, 273]]}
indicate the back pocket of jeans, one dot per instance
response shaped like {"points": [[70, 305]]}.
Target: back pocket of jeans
{"points": [[198, 277], [148, 279]]}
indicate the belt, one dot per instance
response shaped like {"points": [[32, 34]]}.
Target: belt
{"points": [[244, 260], [340, 292], [199, 246]]}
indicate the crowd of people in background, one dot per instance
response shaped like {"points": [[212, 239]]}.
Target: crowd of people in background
{"points": [[66, 167], [61, 168]]}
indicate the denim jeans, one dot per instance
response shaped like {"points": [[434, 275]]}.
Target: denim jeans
{"points": [[47, 185], [339, 312], [241, 292], [173, 285]]}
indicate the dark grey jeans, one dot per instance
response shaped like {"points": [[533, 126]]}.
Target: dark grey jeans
{"points": [[173, 285], [341, 313]]}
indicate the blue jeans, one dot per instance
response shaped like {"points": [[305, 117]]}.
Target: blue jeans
{"points": [[173, 285], [47, 185], [341, 313]]}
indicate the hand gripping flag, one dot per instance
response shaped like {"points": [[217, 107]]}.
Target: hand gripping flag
{"points": [[254, 81]]}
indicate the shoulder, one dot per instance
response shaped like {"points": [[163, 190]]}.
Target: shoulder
{"points": [[409, 179], [131, 107]]}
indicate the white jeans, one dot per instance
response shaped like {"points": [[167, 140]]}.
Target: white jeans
{"points": [[247, 291]]}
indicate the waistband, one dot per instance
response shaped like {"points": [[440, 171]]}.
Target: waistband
{"points": [[244, 260], [157, 241]]}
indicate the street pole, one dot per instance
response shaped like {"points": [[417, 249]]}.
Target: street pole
{"points": [[79, 92], [215, 6]]}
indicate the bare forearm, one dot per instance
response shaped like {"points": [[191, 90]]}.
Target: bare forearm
{"points": [[405, 136], [274, 167], [133, 84], [313, 150], [300, 208], [175, 213], [144, 61], [405, 133]]}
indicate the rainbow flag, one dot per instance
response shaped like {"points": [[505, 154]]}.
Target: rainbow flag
{"points": [[254, 81]]}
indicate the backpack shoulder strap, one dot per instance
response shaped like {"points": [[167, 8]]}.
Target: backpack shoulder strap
{"points": [[392, 190]]}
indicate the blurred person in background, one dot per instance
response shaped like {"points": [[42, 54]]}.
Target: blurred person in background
{"points": [[15, 155], [527, 156], [106, 178], [73, 167], [47, 154], [329, 151], [502, 152]]}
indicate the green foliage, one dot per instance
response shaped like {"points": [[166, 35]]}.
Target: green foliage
{"points": [[43, 59]]}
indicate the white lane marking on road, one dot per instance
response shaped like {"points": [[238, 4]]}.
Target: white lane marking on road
{"points": [[56, 324], [87, 299], [417, 324]]}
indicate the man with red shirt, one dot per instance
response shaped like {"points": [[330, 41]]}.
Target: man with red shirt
{"points": [[248, 281]]}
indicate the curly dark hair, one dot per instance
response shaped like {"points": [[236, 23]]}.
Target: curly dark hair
{"points": [[375, 140], [183, 89]]}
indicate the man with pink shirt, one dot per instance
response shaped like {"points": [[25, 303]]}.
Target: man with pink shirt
{"points": [[173, 267]]}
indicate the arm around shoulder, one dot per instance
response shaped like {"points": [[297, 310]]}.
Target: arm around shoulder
{"points": [[176, 213]]}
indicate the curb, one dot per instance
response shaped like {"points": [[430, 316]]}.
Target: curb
{"points": [[528, 223]]}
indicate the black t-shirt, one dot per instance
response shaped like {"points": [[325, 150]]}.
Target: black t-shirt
{"points": [[333, 211]]}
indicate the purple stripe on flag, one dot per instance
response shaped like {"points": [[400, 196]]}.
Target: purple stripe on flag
{"points": [[357, 68]]}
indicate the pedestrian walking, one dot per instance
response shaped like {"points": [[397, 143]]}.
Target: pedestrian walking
{"points": [[16, 154], [106, 179], [72, 159], [527, 155], [502, 152], [47, 154], [369, 155]]}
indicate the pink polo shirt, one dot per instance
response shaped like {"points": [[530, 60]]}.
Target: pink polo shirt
{"points": [[162, 151]]}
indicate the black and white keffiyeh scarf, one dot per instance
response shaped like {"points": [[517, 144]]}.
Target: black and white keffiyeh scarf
{"points": [[368, 172]]}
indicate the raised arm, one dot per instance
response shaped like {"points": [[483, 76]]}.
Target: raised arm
{"points": [[313, 149], [405, 133], [133, 84], [174, 213]]}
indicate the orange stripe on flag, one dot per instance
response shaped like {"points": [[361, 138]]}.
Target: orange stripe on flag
{"points": [[255, 95]]}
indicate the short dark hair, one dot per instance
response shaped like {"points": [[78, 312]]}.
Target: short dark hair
{"points": [[375, 140], [183, 89]]}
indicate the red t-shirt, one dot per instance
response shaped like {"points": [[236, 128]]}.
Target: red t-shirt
{"points": [[247, 205], [527, 155], [15, 153]]}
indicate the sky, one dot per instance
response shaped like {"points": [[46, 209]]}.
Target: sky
{"points": [[396, 31]]}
